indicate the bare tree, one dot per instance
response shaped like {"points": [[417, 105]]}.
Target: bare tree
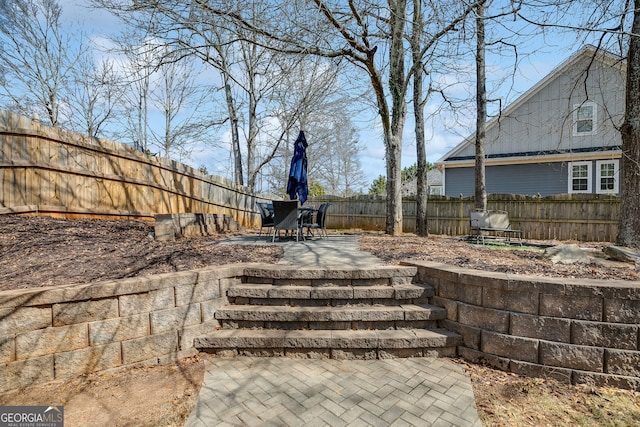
{"points": [[629, 226], [481, 109], [180, 99], [37, 57], [95, 97]]}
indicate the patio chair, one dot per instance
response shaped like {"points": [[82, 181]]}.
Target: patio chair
{"points": [[320, 223], [266, 217], [285, 213]]}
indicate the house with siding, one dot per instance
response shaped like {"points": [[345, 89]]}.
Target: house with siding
{"points": [[561, 136]]}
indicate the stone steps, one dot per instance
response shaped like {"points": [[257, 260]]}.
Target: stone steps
{"points": [[362, 314], [266, 294], [370, 344]]}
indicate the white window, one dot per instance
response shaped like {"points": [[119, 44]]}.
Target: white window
{"points": [[607, 176], [580, 177], [584, 119]]}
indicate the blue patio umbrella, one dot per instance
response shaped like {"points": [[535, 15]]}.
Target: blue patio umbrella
{"points": [[297, 187]]}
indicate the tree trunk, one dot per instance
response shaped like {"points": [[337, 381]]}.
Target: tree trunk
{"points": [[629, 225], [422, 188], [481, 108], [398, 115]]}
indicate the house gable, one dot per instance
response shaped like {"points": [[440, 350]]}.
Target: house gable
{"points": [[540, 125]]}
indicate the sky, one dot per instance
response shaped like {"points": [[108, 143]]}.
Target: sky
{"points": [[537, 59]]}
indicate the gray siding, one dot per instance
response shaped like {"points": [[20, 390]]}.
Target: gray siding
{"points": [[529, 179]]}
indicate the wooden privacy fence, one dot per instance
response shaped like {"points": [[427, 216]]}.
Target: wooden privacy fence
{"points": [[61, 173], [582, 217]]}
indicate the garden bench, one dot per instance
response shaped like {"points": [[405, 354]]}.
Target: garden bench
{"points": [[493, 223]]}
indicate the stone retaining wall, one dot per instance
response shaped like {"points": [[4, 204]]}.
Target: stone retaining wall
{"points": [[574, 330], [62, 332]]}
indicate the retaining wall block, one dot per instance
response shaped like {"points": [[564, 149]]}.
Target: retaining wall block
{"points": [[90, 359], [84, 311], [620, 362], [518, 301], [189, 333], [175, 318], [120, 329], [449, 305], [541, 327], [508, 346], [146, 302], [140, 349], [622, 311], [189, 294], [571, 356], [470, 335], [483, 318], [23, 319], [479, 357], [463, 293], [534, 370], [611, 335], [571, 307], [51, 340], [209, 308], [7, 348], [606, 380], [23, 373]]}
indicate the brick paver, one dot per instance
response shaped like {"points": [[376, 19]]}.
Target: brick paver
{"points": [[254, 391]]}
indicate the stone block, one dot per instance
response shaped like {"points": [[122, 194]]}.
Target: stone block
{"points": [[622, 311], [518, 301], [119, 329], [606, 380], [571, 307], [146, 302], [539, 371], [307, 353], [175, 318], [541, 327], [188, 334], [354, 354], [409, 291], [612, 335], [299, 292], [91, 359], [483, 318], [140, 349], [308, 339], [509, 346], [209, 308], [22, 319], [397, 353], [354, 339], [464, 293], [572, 356], [374, 281], [332, 292], [249, 291], [264, 338], [397, 339], [449, 305], [25, 373], [620, 362], [7, 348], [189, 294], [481, 358], [417, 312], [84, 311], [51, 340], [436, 338], [368, 292], [470, 335]]}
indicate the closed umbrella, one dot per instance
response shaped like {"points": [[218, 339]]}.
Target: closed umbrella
{"points": [[297, 187]]}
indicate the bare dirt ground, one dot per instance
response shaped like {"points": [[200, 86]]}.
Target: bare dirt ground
{"points": [[39, 251]]}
